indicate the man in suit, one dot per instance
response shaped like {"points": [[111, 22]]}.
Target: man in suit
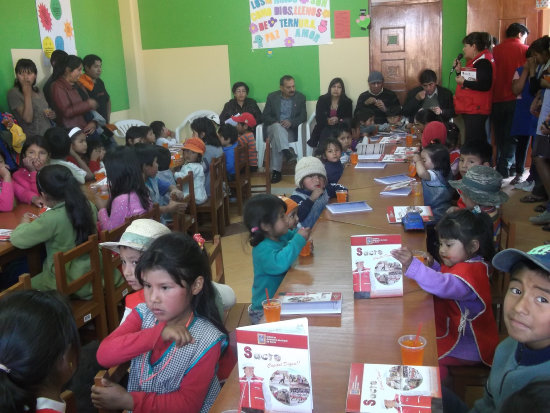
{"points": [[284, 111], [429, 95]]}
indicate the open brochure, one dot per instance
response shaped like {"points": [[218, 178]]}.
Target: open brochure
{"points": [[370, 165], [399, 189], [392, 388], [5, 234], [375, 272], [394, 158], [275, 367], [349, 207], [394, 179], [311, 303], [395, 214], [406, 150], [365, 149]]}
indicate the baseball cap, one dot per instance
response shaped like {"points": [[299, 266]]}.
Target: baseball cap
{"points": [[245, 118], [506, 259]]}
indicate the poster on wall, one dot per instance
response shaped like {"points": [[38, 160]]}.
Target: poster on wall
{"points": [[55, 22], [289, 23]]}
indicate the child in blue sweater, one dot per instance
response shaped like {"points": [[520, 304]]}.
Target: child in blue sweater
{"points": [[330, 151], [274, 247], [313, 193]]}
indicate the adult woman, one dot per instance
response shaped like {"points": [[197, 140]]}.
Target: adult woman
{"points": [[27, 102], [241, 103], [332, 108], [474, 98], [72, 103]]}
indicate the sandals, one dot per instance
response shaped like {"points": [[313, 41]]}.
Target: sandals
{"points": [[540, 208], [517, 179], [531, 199]]}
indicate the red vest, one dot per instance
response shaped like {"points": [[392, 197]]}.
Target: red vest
{"points": [[475, 102], [448, 314], [252, 394]]}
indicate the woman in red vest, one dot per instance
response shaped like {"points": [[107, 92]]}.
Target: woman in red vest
{"points": [[474, 89]]}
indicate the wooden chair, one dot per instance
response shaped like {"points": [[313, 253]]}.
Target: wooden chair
{"points": [[114, 374], [183, 222], [217, 205], [261, 180], [111, 261], [215, 258], [70, 402], [24, 283], [241, 184], [84, 311], [153, 213]]}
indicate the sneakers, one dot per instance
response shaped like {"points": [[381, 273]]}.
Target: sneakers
{"points": [[541, 219], [525, 186], [276, 177]]}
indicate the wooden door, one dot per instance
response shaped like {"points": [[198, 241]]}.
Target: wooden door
{"points": [[405, 38], [494, 16]]}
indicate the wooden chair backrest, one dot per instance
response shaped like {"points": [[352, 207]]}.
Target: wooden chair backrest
{"points": [[114, 374], [266, 175], [153, 213], [217, 178], [24, 283], [242, 164], [180, 222], [215, 258]]}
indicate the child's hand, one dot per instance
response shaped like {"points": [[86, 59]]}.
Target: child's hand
{"points": [[37, 201], [416, 158], [28, 163], [176, 194], [111, 396], [28, 217], [316, 193], [428, 259], [305, 232], [177, 333], [174, 207], [404, 256], [5, 173]]}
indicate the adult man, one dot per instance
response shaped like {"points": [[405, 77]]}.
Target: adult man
{"points": [[430, 96], [377, 98], [284, 111], [95, 86], [509, 55]]}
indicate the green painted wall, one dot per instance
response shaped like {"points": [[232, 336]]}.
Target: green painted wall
{"points": [[454, 30], [192, 23], [97, 30]]}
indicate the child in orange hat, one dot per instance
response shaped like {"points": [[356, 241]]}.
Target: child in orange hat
{"points": [[291, 212], [193, 150]]}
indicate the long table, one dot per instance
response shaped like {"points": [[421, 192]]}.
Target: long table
{"points": [[367, 330]]}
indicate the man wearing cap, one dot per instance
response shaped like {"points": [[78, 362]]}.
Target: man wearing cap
{"points": [[255, 395], [284, 111], [429, 95], [377, 98]]}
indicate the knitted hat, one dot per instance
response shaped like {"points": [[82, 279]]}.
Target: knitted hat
{"points": [[290, 204], [505, 260], [482, 185], [434, 130], [195, 145], [245, 118], [375, 76], [138, 235], [308, 165]]}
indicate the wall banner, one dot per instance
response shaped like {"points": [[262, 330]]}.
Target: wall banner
{"points": [[289, 23], [55, 22]]}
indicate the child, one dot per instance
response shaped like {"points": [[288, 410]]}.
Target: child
{"points": [[464, 321], [68, 223], [134, 135], [274, 246], [39, 351], [228, 138], [79, 148], [291, 212], [177, 333], [473, 152], [204, 129], [434, 132], [162, 134], [148, 135], [35, 155], [95, 154], [128, 194], [342, 132], [433, 167], [193, 150], [524, 356], [480, 192], [6, 187], [366, 120], [245, 127], [59, 143], [330, 151], [160, 191], [164, 158], [312, 194], [396, 120]]}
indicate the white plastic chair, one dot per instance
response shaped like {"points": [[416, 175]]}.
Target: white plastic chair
{"points": [[310, 124], [298, 146], [123, 126], [197, 114]]}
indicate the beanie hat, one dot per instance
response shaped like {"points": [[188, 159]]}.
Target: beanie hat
{"points": [[291, 205], [306, 166], [245, 118], [375, 76], [139, 234], [195, 145], [434, 130]]}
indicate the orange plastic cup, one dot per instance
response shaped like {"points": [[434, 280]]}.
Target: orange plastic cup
{"points": [[272, 310], [341, 196], [307, 250], [354, 158], [412, 169], [409, 140], [99, 176], [412, 351]]}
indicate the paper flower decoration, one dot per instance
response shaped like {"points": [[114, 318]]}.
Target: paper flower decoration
{"points": [[272, 21], [45, 17], [289, 42], [253, 28]]}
